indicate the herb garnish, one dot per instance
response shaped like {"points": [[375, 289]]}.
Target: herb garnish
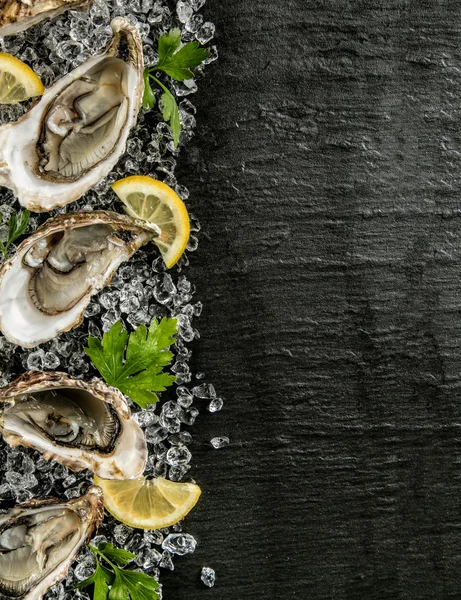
{"points": [[133, 362], [117, 583], [16, 227], [178, 64]]}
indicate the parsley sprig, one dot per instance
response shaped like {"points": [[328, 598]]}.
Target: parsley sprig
{"points": [[114, 582], [178, 64], [16, 227], [134, 362]]}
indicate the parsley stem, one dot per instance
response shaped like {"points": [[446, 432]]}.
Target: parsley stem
{"points": [[158, 82], [103, 556]]}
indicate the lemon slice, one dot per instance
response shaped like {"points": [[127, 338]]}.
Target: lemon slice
{"points": [[154, 201], [17, 81], [148, 503]]}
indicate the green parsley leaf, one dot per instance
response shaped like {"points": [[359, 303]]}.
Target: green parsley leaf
{"points": [[139, 585], [148, 99], [168, 43], [170, 114], [178, 65], [101, 585], [88, 581], [16, 227], [134, 362], [101, 579], [122, 557], [119, 590], [146, 345], [108, 356], [114, 582], [141, 389]]}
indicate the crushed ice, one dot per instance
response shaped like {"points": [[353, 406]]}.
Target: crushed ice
{"points": [[141, 290], [208, 576]]}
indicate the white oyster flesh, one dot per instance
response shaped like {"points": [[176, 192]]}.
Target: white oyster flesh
{"points": [[39, 540], [46, 286], [24, 548], [74, 136], [83, 123], [82, 425], [64, 416], [75, 259], [18, 15]]}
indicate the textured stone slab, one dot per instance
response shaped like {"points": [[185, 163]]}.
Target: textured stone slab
{"points": [[326, 175]]}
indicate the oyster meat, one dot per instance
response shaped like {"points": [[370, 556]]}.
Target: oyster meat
{"points": [[74, 136], [46, 286], [17, 15], [40, 539], [81, 425]]}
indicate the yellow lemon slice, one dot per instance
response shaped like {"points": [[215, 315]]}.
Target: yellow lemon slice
{"points": [[17, 81], [148, 503], [153, 201]]}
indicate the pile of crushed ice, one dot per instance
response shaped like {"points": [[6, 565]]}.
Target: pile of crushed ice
{"points": [[141, 290]]}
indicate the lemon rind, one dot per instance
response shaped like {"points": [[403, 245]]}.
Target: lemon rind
{"points": [[151, 523], [168, 196], [23, 74]]}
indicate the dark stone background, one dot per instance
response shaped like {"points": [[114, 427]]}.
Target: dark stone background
{"points": [[326, 175]]}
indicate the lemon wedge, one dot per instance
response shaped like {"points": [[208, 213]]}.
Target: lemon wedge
{"points": [[154, 201], [17, 81], [148, 503]]}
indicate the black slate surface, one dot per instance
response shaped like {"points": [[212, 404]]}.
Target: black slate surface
{"points": [[326, 175]]}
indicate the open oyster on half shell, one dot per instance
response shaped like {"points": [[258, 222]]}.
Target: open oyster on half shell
{"points": [[81, 425], [40, 539], [46, 286], [74, 136], [18, 15]]}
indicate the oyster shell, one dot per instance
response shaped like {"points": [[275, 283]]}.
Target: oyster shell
{"points": [[81, 425], [40, 539], [17, 15], [46, 286], [74, 136]]}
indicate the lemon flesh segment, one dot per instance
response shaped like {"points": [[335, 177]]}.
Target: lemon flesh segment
{"points": [[154, 201], [148, 504], [17, 81]]}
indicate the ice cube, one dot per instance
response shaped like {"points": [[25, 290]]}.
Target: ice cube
{"points": [[219, 442], [208, 576], [179, 543]]}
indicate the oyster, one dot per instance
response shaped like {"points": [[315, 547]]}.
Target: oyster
{"points": [[17, 15], [75, 135], [81, 425], [46, 286], [40, 539]]}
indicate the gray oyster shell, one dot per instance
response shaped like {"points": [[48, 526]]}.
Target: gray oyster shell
{"points": [[73, 137], [46, 286], [40, 539], [83, 425], [18, 15]]}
